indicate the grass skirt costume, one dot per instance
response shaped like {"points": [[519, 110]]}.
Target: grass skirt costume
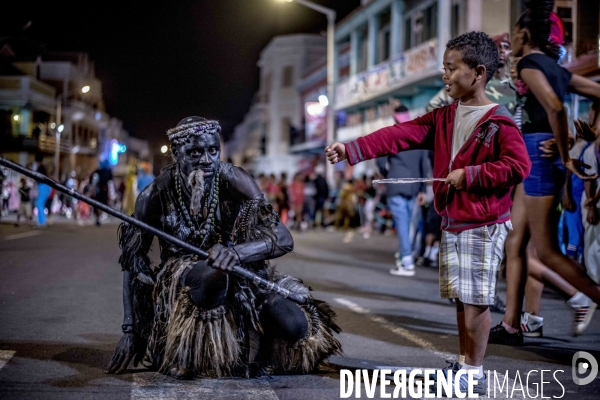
{"points": [[228, 340]]}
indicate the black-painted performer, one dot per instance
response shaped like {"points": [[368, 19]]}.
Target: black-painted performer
{"points": [[191, 318]]}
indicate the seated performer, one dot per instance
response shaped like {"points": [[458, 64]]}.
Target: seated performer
{"points": [[190, 317]]}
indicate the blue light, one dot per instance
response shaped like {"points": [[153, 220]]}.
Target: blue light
{"points": [[114, 152], [122, 148]]}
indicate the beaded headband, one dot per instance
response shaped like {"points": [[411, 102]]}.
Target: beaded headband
{"points": [[196, 128]]}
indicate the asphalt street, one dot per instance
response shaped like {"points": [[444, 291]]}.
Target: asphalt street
{"points": [[61, 314]]}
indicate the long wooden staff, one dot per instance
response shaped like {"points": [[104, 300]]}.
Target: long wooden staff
{"points": [[239, 271]]}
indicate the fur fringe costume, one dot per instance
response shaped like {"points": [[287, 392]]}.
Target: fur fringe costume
{"points": [[227, 340]]}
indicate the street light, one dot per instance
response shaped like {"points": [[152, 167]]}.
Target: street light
{"points": [[330, 74], [61, 127], [164, 149]]}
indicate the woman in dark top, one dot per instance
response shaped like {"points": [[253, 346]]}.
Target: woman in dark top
{"points": [[544, 117]]}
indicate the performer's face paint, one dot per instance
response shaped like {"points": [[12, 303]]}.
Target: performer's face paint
{"points": [[199, 152]]}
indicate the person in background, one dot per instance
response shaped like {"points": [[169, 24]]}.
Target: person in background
{"points": [[145, 177], [591, 216], [101, 178], [346, 209], [321, 195], [283, 201], [543, 117], [43, 192], [402, 198], [25, 208], [297, 199], [4, 194], [309, 202], [130, 192], [371, 200]]}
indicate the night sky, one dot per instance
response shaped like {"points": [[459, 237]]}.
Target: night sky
{"points": [[160, 61]]}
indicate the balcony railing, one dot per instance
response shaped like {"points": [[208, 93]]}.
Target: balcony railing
{"points": [[382, 78], [47, 143]]}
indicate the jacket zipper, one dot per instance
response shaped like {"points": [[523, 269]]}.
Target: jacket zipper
{"points": [[452, 162]]}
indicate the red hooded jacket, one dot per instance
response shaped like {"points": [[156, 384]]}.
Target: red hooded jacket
{"points": [[494, 158]]}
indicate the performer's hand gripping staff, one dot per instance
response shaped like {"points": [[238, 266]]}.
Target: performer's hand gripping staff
{"points": [[216, 255]]}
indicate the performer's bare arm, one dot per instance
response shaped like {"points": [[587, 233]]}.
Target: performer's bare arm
{"points": [[147, 209], [227, 257]]}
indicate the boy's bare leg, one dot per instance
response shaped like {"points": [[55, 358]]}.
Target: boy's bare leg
{"points": [[462, 330], [477, 325]]}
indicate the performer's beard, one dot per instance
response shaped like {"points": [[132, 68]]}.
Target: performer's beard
{"points": [[196, 182]]}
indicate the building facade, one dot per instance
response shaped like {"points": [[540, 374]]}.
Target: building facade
{"points": [[261, 143], [44, 111]]}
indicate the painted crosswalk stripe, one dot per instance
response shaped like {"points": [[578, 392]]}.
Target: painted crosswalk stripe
{"points": [[22, 235], [5, 356], [154, 386]]}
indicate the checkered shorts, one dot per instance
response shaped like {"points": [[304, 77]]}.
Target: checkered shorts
{"points": [[469, 262]]}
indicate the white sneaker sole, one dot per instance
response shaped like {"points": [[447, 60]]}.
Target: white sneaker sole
{"points": [[402, 272], [582, 326]]}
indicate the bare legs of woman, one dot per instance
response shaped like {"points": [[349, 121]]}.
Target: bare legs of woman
{"points": [[535, 216], [538, 276], [544, 237], [516, 267]]}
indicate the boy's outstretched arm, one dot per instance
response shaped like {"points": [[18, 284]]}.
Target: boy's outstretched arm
{"points": [[415, 134], [512, 167]]}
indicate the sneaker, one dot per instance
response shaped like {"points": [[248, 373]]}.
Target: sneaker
{"points": [[532, 325], [499, 335], [463, 385], [498, 305], [422, 262], [453, 366], [583, 317], [401, 270]]}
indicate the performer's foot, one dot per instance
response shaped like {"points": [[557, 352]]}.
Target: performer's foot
{"points": [[180, 374]]}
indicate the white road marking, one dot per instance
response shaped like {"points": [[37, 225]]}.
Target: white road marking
{"points": [[5, 356], [429, 347], [406, 334], [22, 235], [154, 386]]}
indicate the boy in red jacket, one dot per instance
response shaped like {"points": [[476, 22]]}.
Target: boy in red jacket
{"points": [[480, 152]]}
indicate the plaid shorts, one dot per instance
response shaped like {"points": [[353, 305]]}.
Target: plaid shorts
{"points": [[469, 262]]}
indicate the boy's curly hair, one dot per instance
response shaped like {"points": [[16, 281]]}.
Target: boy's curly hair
{"points": [[477, 48]]}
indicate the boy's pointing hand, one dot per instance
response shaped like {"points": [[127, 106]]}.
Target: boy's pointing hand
{"points": [[336, 153], [457, 179]]}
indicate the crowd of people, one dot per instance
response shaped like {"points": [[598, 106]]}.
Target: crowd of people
{"points": [[36, 203]]}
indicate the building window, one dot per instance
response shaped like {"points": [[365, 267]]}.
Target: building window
{"points": [[567, 12], [455, 22], [420, 25], [407, 33], [383, 36], [288, 76], [363, 48], [286, 125]]}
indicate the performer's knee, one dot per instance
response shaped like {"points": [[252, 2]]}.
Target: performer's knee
{"points": [[284, 319], [208, 286]]}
